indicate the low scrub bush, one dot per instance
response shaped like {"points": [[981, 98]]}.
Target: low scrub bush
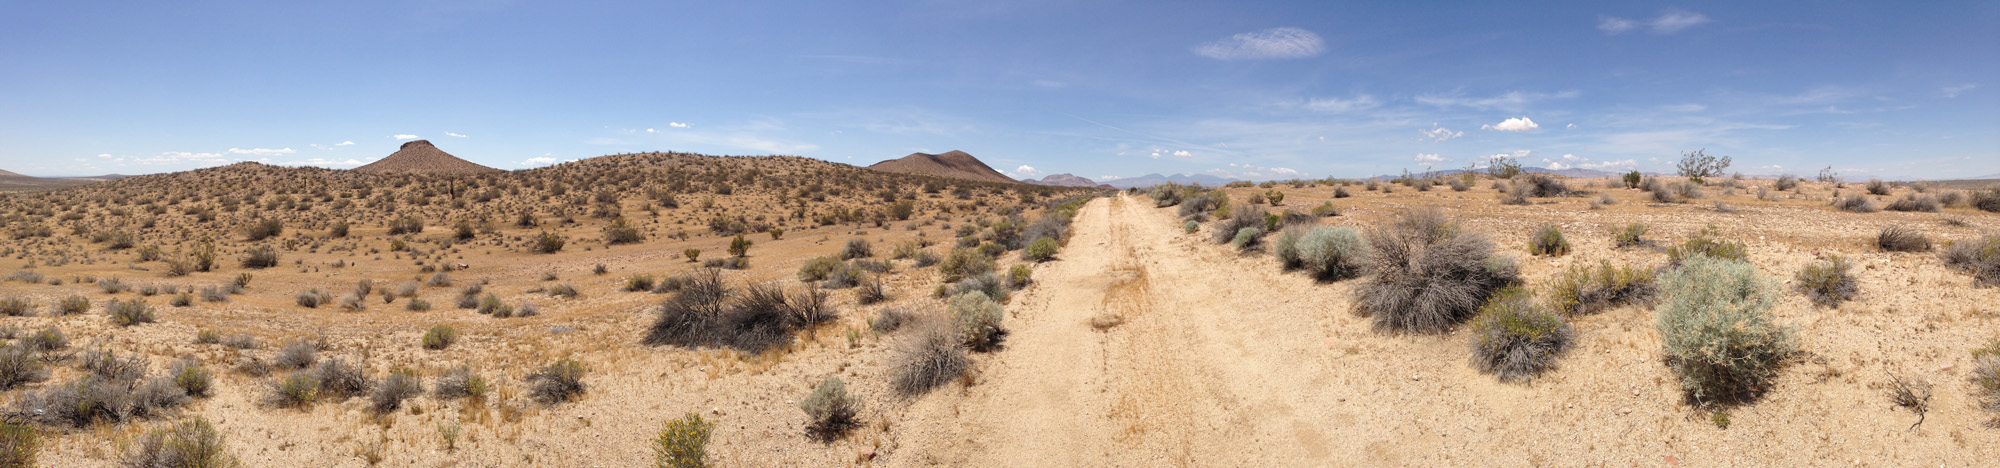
{"points": [[830, 410], [459, 382], [1548, 241], [440, 336], [1540, 185], [1514, 339], [1041, 250], [963, 262], [193, 378], [989, 284], [20, 443], [298, 390], [72, 305], [340, 380], [261, 257], [683, 443], [1877, 187], [187, 444], [891, 319], [1827, 282], [561, 381], [1914, 202], [130, 312], [978, 319], [1585, 290], [857, 248], [402, 384], [1855, 203], [930, 356], [1631, 236], [1718, 331], [1979, 258], [298, 355], [1706, 243], [16, 307], [1429, 276], [1901, 238], [1227, 230], [313, 298], [20, 365], [1985, 200]]}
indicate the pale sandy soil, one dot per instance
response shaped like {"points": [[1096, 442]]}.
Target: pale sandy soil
{"points": [[1215, 359]]}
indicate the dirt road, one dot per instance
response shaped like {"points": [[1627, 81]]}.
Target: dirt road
{"points": [[1145, 346]]}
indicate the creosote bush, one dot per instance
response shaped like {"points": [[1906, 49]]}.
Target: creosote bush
{"points": [[830, 410], [1548, 241], [19, 444], [1429, 276], [440, 336], [188, 444], [1827, 282], [963, 262], [1514, 339], [459, 382], [1856, 203], [1986, 380], [402, 384], [978, 320], [561, 381], [1706, 243], [129, 312], [683, 443], [1632, 235], [1585, 290], [1717, 329]]}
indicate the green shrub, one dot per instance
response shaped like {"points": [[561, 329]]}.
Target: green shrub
{"points": [[298, 390], [740, 246], [1548, 241], [1986, 379], [1827, 282], [192, 378], [459, 382], [1041, 250], [831, 411], [1585, 290], [963, 262], [1704, 243], [1247, 238], [547, 243], [978, 319], [818, 269], [440, 336], [73, 305], [19, 444], [19, 365], [16, 307], [1286, 249], [618, 232], [639, 283], [1516, 340], [561, 381], [857, 248], [129, 313], [1191, 226], [1632, 235], [1019, 276], [265, 229], [190, 443], [406, 225], [1718, 331], [1229, 229], [691, 254], [683, 443], [1332, 253]]}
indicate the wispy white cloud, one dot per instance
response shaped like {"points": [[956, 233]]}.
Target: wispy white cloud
{"points": [[1274, 43], [460, 135], [1672, 21], [1429, 159], [1338, 105], [261, 151], [1511, 101], [677, 125], [1521, 124], [538, 162], [1685, 108], [1954, 91], [1435, 134], [403, 137], [1247, 171], [344, 143], [326, 163]]}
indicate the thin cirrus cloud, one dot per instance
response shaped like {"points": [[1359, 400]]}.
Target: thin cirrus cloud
{"points": [[1520, 124], [1428, 159], [1338, 105], [1436, 133], [344, 143], [1274, 43], [261, 151], [1667, 23], [404, 136], [450, 134], [1512, 100]]}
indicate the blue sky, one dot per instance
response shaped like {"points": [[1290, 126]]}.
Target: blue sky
{"points": [[1094, 88]]}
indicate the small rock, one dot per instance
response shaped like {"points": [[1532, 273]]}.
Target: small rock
{"points": [[1624, 411]]}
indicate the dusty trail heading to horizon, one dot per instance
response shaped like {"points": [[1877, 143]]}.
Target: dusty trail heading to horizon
{"points": [[1145, 346]]}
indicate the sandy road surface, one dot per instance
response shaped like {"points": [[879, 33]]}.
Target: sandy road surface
{"points": [[1149, 347]]}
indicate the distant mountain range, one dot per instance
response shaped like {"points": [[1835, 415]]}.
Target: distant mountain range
{"points": [[10, 181], [1149, 180], [1062, 180]]}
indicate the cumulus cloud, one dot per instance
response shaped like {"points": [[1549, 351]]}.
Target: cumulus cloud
{"points": [[1512, 125], [538, 162], [1670, 22], [261, 151], [104, 156], [1436, 134], [1183, 154], [1429, 159], [1025, 171], [677, 125], [1338, 105], [1274, 43], [1105, 178], [403, 137], [344, 143], [1571, 126], [454, 134]]}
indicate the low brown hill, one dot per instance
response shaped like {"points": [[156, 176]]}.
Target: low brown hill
{"points": [[954, 164], [14, 182], [420, 157]]}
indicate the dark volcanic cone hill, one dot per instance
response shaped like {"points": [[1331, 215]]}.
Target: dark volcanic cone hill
{"points": [[420, 157], [955, 164]]}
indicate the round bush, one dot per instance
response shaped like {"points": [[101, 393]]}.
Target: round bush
{"points": [[1429, 277], [1247, 238], [1332, 253], [1716, 327], [1516, 340], [1043, 249], [978, 319]]}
